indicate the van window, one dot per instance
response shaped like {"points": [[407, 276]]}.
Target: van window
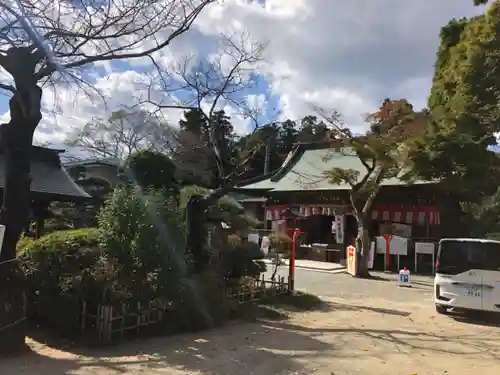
{"points": [[460, 256]]}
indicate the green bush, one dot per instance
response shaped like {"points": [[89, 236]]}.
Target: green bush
{"points": [[152, 169], [239, 260], [69, 239], [59, 270], [201, 303], [142, 234], [281, 242], [136, 255]]}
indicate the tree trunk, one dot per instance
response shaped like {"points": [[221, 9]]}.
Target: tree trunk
{"points": [[362, 247], [17, 139], [196, 235]]}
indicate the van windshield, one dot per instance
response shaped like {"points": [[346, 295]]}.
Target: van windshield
{"points": [[460, 256]]}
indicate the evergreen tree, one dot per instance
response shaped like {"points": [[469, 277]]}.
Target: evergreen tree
{"points": [[464, 103], [194, 155]]}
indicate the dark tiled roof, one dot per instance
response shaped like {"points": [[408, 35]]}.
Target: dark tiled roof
{"points": [[50, 179]]}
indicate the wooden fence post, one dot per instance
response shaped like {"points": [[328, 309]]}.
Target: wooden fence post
{"points": [[105, 322], [84, 316], [138, 317], [124, 314], [98, 322]]}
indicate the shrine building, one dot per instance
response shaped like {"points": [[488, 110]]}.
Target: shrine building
{"points": [[298, 195]]}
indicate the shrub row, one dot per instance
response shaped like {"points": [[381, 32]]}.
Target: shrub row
{"points": [[136, 255]]}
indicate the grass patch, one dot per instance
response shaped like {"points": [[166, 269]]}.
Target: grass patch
{"points": [[300, 301], [252, 312], [280, 307]]}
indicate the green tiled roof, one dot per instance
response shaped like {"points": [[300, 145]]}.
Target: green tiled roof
{"points": [[266, 184], [304, 170]]}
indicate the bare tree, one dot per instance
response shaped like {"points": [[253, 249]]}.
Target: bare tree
{"points": [[45, 41], [123, 133], [207, 85], [192, 158], [211, 83], [384, 152]]}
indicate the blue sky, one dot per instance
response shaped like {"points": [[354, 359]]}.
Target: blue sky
{"points": [[344, 55]]}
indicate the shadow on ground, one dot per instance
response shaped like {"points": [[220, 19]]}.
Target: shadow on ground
{"points": [[238, 348], [410, 341], [480, 318], [269, 344], [380, 310]]}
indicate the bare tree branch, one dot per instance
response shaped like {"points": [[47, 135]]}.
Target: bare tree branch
{"points": [[211, 83], [122, 134], [77, 34], [7, 87]]}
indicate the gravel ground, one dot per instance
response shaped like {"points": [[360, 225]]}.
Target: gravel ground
{"points": [[367, 327], [333, 284]]}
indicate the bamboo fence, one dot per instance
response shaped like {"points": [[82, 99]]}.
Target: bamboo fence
{"points": [[109, 322]]}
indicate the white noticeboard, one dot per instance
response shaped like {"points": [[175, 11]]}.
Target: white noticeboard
{"points": [[339, 228], [254, 238], [371, 255], [2, 233], [397, 246], [264, 246], [425, 248]]}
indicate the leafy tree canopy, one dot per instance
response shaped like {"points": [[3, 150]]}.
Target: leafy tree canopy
{"points": [[152, 169], [384, 151], [464, 103]]}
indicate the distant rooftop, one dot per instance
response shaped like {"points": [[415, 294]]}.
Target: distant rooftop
{"points": [[103, 161]]}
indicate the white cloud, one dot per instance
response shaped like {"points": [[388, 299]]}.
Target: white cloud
{"points": [[345, 54], [68, 107], [349, 55]]}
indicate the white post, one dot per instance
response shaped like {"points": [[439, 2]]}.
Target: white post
{"points": [[416, 259], [2, 233]]}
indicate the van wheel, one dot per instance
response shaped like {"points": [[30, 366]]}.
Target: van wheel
{"points": [[441, 309]]}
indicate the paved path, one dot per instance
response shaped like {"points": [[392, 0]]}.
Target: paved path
{"points": [[326, 284], [310, 264]]}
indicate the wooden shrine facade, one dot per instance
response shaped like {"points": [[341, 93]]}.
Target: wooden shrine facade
{"points": [[415, 205]]}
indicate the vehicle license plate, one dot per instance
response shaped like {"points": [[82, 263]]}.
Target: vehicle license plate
{"points": [[473, 292]]}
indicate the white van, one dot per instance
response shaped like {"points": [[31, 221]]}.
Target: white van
{"points": [[467, 275]]}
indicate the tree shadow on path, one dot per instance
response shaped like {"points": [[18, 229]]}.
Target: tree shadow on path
{"points": [[237, 349], [448, 343], [240, 348]]}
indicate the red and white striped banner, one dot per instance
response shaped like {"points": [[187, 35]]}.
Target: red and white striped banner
{"points": [[276, 212], [420, 215]]}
